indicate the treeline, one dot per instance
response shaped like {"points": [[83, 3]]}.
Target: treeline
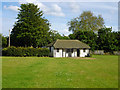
{"points": [[32, 29], [105, 39]]}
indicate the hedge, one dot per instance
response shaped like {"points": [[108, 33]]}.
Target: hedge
{"points": [[25, 51]]}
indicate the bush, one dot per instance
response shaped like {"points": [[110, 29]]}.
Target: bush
{"points": [[25, 51], [11, 51]]}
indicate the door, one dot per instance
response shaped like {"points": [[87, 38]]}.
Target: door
{"points": [[69, 54], [78, 52]]}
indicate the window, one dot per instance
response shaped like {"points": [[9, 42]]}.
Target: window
{"points": [[83, 50], [57, 49]]}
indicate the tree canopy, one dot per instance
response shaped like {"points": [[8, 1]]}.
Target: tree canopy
{"points": [[54, 35], [105, 39], [3, 41], [86, 22], [31, 28], [108, 40], [88, 37]]}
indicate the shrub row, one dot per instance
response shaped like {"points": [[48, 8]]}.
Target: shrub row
{"points": [[25, 51]]}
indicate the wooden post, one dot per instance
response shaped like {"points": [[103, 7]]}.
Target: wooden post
{"points": [[9, 38]]}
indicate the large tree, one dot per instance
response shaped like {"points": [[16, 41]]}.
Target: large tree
{"points": [[31, 28], [86, 22], [108, 40], [54, 35], [88, 37]]}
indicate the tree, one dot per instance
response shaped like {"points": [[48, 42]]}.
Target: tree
{"points": [[64, 37], [54, 35], [31, 28], [88, 37], [3, 44], [107, 40], [86, 22], [118, 38]]}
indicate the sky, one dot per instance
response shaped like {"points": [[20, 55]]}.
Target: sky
{"points": [[60, 13]]}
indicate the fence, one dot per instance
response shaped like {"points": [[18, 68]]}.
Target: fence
{"points": [[101, 52]]}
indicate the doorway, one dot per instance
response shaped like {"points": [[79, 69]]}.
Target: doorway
{"points": [[78, 52], [69, 52]]}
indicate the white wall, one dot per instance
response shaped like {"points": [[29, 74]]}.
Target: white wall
{"points": [[75, 52], [83, 54], [66, 54], [63, 53], [57, 54], [72, 54]]}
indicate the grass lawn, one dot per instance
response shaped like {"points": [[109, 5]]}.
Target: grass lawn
{"points": [[46, 72]]}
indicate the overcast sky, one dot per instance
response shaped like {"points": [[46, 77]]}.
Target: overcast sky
{"points": [[59, 13]]}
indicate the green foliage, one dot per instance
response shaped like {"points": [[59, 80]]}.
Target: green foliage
{"points": [[54, 35], [118, 38], [86, 21], [105, 39], [43, 52], [64, 37], [108, 40], [0, 40], [31, 29], [3, 41], [25, 51], [88, 37]]}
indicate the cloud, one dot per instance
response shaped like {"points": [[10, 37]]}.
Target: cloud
{"points": [[75, 7], [54, 9], [42, 7], [65, 32], [26, 1], [13, 8], [114, 28], [108, 7], [98, 6]]}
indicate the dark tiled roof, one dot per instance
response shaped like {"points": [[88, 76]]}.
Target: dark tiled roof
{"points": [[68, 44]]}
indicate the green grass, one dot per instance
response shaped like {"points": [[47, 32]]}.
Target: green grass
{"points": [[46, 72]]}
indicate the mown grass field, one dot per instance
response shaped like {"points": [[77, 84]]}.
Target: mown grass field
{"points": [[46, 72]]}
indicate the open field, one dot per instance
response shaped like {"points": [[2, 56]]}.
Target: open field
{"points": [[45, 72]]}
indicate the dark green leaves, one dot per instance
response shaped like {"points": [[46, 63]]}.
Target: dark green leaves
{"points": [[31, 28]]}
